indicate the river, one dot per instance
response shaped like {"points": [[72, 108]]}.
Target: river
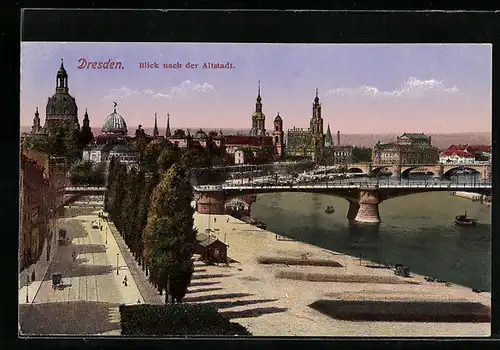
{"points": [[417, 230]]}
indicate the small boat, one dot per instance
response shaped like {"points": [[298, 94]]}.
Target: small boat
{"points": [[329, 209], [463, 220]]}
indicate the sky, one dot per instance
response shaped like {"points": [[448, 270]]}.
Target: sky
{"points": [[363, 89]]}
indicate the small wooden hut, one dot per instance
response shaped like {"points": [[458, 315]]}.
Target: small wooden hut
{"points": [[211, 250]]}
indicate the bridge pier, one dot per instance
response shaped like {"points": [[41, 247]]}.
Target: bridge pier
{"points": [[211, 203], [368, 207], [353, 209]]}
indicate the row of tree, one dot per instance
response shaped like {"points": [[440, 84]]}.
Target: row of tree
{"points": [[151, 208]]}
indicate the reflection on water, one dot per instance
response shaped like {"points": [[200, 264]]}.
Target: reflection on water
{"points": [[417, 230]]}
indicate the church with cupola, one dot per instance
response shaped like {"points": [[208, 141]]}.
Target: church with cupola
{"points": [[61, 108]]}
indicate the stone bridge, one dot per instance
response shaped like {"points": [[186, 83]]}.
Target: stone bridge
{"points": [[363, 200], [443, 170]]}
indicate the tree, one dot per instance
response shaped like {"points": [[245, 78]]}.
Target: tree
{"points": [[168, 156], [150, 181], [87, 173], [109, 182], [149, 157], [169, 236], [129, 215], [117, 195]]}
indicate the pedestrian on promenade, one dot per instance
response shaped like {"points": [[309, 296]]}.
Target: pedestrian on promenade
{"points": [[125, 281], [215, 219], [227, 220], [33, 276], [138, 301]]}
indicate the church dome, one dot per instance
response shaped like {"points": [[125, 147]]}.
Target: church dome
{"points": [[61, 104], [115, 124]]}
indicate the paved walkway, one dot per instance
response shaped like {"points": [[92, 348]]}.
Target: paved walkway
{"points": [[91, 290], [148, 291]]}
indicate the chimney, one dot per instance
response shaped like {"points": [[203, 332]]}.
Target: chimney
{"points": [[338, 138]]}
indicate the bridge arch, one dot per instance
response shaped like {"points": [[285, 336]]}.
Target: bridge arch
{"points": [[380, 169], [407, 171], [454, 169], [355, 170]]}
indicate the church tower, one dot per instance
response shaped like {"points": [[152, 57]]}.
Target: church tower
{"points": [[155, 130], [86, 121], [36, 128], [316, 129], [167, 130], [86, 135], [258, 118], [278, 136], [61, 107]]}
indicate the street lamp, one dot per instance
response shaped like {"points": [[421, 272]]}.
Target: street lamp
{"points": [[117, 255]]}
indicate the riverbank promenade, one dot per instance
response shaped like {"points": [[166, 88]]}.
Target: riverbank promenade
{"points": [[93, 269], [273, 299]]}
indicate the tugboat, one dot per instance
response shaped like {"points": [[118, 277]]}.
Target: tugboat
{"points": [[329, 209], [463, 220]]}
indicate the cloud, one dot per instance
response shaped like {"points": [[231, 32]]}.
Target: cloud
{"points": [[185, 89], [411, 88]]}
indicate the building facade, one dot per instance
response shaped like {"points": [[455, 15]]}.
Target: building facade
{"points": [[409, 148], [35, 211], [456, 157], [310, 142], [466, 154]]}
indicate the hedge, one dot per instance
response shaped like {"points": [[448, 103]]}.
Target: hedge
{"points": [[296, 261], [323, 277], [176, 319], [403, 311]]}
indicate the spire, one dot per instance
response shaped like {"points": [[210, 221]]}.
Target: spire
{"points": [[167, 131], [86, 121], [114, 107], [316, 99], [155, 130], [328, 137], [35, 128], [258, 94]]}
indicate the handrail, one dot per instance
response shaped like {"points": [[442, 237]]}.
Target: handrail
{"points": [[338, 186]]}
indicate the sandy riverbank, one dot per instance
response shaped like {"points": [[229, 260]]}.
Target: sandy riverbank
{"points": [[250, 293]]}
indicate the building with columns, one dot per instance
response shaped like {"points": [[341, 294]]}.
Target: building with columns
{"points": [[409, 148]]}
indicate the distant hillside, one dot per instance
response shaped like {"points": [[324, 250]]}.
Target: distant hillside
{"points": [[362, 140]]}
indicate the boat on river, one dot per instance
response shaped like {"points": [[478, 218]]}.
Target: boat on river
{"points": [[464, 220], [329, 209]]}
